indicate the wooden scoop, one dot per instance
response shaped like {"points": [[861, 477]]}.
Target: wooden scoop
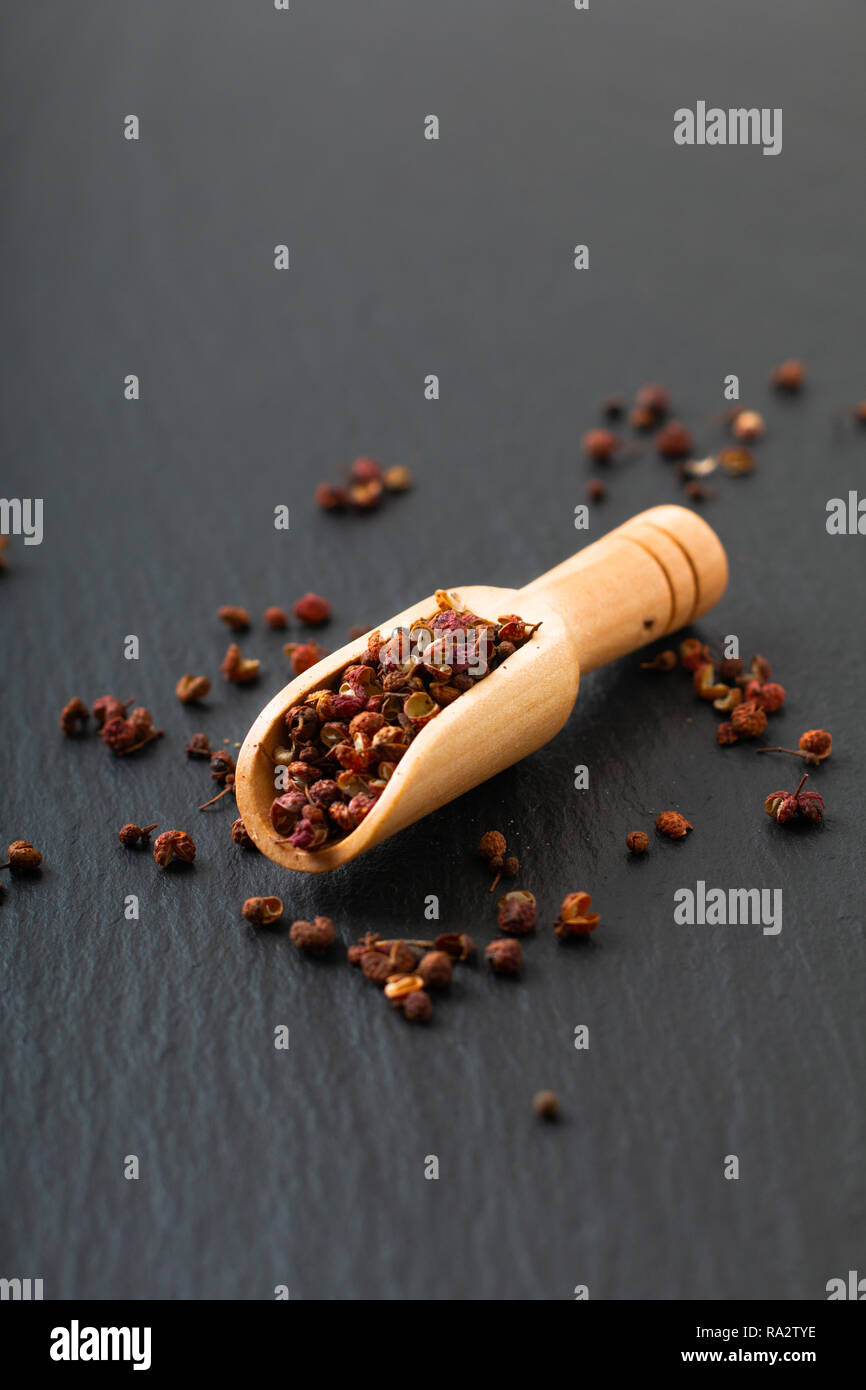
{"points": [[649, 577]]}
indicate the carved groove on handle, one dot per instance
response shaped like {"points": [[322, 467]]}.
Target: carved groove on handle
{"points": [[691, 564]]}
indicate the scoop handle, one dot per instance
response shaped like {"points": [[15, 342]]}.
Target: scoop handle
{"points": [[658, 572]]}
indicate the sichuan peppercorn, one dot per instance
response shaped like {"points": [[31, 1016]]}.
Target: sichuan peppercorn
{"points": [[417, 1007], [317, 935], [108, 707], [435, 969], [516, 913], [457, 945], [397, 478], [672, 824], [190, 688], [637, 841], [600, 445], [505, 956], [312, 610], [574, 918], [238, 619], [674, 440], [237, 668], [241, 836], [546, 1105], [132, 835], [748, 719], [173, 844], [331, 497], [789, 375], [73, 717], [747, 426], [262, 912], [275, 618], [22, 856], [303, 655], [198, 746]]}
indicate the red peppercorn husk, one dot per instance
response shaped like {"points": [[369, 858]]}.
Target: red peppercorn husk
{"points": [[517, 912], [318, 935], [22, 856], [107, 707], [546, 1105], [674, 441], [600, 445], [262, 912], [693, 654], [376, 966], [637, 841], [726, 733], [198, 746], [435, 969], [303, 655], [781, 805], [655, 400], [173, 844], [238, 619], [365, 496], [398, 478], [574, 918], [417, 1007], [237, 668], [492, 845], [241, 836], [74, 717], [119, 735], [276, 618], [662, 661], [747, 426], [790, 375], [748, 719], [312, 610], [365, 470], [672, 824], [190, 689], [505, 956], [595, 490], [331, 497], [811, 806], [816, 742]]}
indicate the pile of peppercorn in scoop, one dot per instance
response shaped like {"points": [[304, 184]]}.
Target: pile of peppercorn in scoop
{"points": [[345, 744]]}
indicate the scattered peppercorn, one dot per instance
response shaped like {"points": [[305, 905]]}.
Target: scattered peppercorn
{"points": [[492, 845], [241, 836], [417, 1007], [674, 441], [595, 490], [574, 917], [262, 912], [546, 1105], [817, 742], [312, 610], [365, 496], [22, 856], [693, 654], [613, 407], [790, 375], [238, 619], [517, 913], [637, 841], [276, 618], [198, 746], [375, 966], [737, 461], [505, 956], [600, 445], [747, 426], [784, 806], [238, 669], [331, 497], [435, 969], [133, 835], [672, 824], [318, 935], [457, 945], [189, 689], [697, 492], [399, 986], [303, 655], [726, 733], [173, 844], [397, 478], [748, 719], [128, 735], [74, 717], [108, 707], [655, 400], [356, 631]]}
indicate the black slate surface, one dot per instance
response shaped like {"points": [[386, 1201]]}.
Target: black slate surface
{"points": [[155, 1038]]}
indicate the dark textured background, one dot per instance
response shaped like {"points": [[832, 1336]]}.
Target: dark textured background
{"points": [[408, 257]]}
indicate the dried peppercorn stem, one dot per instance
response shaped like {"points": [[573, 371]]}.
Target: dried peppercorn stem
{"points": [[803, 779], [797, 753], [229, 787]]}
